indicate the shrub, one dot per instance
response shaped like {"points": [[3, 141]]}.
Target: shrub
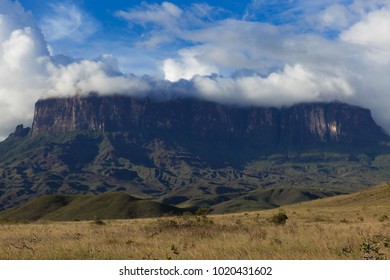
{"points": [[279, 219], [99, 222], [371, 247], [202, 211]]}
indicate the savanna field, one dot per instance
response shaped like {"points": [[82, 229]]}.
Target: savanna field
{"points": [[355, 226]]}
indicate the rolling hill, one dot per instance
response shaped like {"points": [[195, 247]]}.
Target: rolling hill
{"points": [[378, 196], [88, 207]]}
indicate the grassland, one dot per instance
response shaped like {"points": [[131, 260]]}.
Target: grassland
{"points": [[354, 226]]}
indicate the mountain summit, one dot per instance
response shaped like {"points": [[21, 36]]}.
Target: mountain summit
{"points": [[192, 120]]}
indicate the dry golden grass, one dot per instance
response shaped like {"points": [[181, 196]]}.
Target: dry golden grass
{"points": [[345, 227]]}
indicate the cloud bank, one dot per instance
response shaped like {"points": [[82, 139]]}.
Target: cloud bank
{"points": [[338, 51]]}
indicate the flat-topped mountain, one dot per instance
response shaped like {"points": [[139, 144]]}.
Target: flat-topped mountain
{"points": [[192, 153], [191, 120]]}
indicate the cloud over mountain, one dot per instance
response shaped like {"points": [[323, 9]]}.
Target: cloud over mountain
{"points": [[338, 50], [29, 72]]}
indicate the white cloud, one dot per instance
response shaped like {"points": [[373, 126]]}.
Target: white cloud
{"points": [[372, 31], [21, 72], [66, 21], [167, 15], [293, 66], [18, 49], [372, 34], [28, 72], [88, 76], [237, 44], [291, 85], [188, 66], [167, 21], [335, 17]]}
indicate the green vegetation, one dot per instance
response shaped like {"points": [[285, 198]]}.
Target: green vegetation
{"points": [[92, 163], [88, 207]]}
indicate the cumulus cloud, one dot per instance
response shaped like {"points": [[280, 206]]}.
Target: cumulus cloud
{"points": [[372, 31], [21, 55], [28, 71], [87, 76], [292, 85], [188, 66], [293, 62]]}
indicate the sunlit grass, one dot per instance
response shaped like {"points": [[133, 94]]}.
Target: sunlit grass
{"points": [[346, 227]]}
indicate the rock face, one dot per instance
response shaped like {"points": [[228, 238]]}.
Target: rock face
{"points": [[20, 131], [192, 120]]}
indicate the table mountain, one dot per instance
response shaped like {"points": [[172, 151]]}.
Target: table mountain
{"points": [[192, 153], [296, 126]]}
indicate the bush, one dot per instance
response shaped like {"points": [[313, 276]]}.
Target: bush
{"points": [[372, 247], [99, 222], [202, 211], [279, 219]]}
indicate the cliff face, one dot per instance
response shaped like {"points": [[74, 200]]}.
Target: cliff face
{"points": [[329, 123], [300, 125]]}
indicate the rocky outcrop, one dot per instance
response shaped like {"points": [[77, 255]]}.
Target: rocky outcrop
{"points": [[187, 119], [20, 131]]}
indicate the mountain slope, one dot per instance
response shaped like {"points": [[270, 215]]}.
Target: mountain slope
{"points": [[88, 207], [378, 196]]}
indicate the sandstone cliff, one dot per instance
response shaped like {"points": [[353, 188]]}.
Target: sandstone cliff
{"points": [[296, 126]]}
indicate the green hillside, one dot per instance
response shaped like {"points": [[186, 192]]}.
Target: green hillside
{"points": [[376, 197], [88, 207], [94, 163]]}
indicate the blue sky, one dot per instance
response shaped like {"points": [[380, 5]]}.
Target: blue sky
{"points": [[101, 30], [258, 52], [87, 28]]}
